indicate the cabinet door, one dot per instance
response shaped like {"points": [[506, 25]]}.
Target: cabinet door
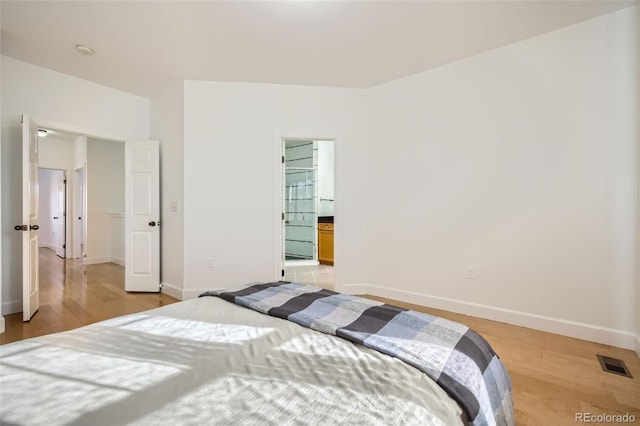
{"points": [[325, 243]]}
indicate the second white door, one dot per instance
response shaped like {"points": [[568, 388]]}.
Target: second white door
{"points": [[59, 214], [142, 223]]}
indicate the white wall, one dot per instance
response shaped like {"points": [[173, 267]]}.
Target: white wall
{"points": [[105, 201], [520, 163], [116, 232], [167, 126], [232, 185], [64, 102], [56, 153], [80, 152]]}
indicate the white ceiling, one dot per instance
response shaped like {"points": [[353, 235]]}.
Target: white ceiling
{"points": [[142, 47]]}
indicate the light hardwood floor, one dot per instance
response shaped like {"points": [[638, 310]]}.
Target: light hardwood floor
{"points": [[72, 295], [554, 377]]}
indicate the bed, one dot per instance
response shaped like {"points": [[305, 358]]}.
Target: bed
{"points": [[219, 359]]}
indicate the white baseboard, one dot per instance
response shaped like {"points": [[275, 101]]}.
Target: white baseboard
{"points": [[11, 307], [96, 260], [638, 345], [359, 288], [118, 261], [593, 333], [1, 324], [172, 290], [185, 294]]}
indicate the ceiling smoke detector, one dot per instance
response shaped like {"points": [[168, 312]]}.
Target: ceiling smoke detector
{"points": [[85, 50]]}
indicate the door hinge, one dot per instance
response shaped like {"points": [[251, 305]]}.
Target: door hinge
{"points": [[65, 181], [64, 246], [21, 119], [282, 216], [282, 273], [283, 159]]}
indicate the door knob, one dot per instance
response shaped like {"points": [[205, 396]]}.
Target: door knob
{"points": [[152, 223], [20, 227], [34, 227]]}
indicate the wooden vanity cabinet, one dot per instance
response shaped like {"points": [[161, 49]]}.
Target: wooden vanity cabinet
{"points": [[325, 243]]}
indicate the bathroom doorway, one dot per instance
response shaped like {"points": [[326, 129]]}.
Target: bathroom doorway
{"points": [[308, 211]]}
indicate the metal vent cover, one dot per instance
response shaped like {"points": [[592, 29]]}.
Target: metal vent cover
{"points": [[614, 365]]}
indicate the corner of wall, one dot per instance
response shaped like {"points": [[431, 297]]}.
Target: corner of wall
{"points": [[172, 290], [11, 307]]}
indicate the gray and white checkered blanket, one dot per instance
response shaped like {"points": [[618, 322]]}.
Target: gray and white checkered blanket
{"points": [[456, 357]]}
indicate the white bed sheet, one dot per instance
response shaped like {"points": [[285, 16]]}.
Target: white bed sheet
{"points": [[207, 361]]}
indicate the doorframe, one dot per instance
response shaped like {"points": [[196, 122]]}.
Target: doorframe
{"points": [[79, 208], [80, 131], [278, 190]]}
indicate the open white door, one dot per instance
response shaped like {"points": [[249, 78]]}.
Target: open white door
{"points": [[60, 218], [142, 224], [79, 209], [29, 227]]}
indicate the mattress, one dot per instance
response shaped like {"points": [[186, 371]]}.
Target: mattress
{"points": [[207, 361]]}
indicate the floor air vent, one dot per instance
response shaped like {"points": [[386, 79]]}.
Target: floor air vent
{"points": [[614, 365]]}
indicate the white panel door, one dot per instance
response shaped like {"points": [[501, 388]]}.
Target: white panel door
{"points": [[59, 214], [29, 227], [142, 207]]}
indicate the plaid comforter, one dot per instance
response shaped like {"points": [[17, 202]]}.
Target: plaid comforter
{"points": [[453, 355]]}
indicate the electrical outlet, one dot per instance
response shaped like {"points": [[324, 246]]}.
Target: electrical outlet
{"points": [[470, 274], [174, 207], [210, 263]]}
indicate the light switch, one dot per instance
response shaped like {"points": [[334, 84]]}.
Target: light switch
{"points": [[174, 206]]}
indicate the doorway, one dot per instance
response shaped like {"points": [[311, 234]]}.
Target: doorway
{"points": [[58, 187], [52, 195], [308, 211]]}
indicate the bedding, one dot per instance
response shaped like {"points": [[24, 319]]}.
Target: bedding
{"points": [[457, 358], [207, 361]]}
